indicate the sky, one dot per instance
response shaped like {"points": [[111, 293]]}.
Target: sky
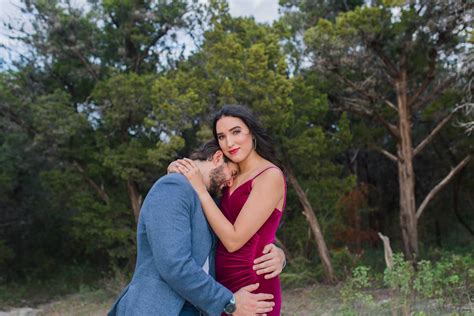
{"points": [[262, 10]]}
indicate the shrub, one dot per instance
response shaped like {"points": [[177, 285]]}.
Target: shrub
{"points": [[353, 293]]}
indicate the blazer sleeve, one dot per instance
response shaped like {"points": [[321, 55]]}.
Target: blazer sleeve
{"points": [[168, 228]]}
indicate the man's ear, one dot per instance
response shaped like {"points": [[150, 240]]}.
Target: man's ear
{"points": [[218, 157]]}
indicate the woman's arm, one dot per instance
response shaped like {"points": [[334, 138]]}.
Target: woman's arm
{"points": [[254, 213]]}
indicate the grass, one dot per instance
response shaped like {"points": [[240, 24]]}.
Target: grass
{"points": [[309, 300]]}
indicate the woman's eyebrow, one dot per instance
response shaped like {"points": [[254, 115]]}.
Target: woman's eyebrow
{"points": [[230, 130]]}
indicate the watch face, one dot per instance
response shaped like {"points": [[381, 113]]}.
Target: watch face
{"points": [[230, 308]]}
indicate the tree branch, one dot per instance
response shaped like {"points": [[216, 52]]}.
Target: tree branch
{"points": [[391, 105], [388, 154], [15, 118], [441, 185], [391, 68], [100, 191], [361, 90], [440, 88], [361, 110], [429, 78], [433, 133], [86, 63]]}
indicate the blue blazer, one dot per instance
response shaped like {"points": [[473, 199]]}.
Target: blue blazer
{"points": [[173, 242]]}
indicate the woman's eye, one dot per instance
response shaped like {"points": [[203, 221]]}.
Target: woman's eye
{"points": [[235, 132], [220, 137]]}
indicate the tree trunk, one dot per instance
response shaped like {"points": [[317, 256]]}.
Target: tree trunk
{"points": [[314, 225], [406, 174], [135, 198]]}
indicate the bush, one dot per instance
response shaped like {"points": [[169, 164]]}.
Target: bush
{"points": [[449, 281], [299, 272], [447, 284], [354, 296]]}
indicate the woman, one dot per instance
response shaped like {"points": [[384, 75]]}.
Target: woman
{"points": [[251, 205]]}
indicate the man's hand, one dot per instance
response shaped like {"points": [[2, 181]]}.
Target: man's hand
{"points": [[271, 263], [250, 304]]}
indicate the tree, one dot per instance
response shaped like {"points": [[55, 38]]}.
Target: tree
{"points": [[241, 62], [395, 60], [79, 101]]}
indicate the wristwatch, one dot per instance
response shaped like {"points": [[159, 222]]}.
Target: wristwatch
{"points": [[230, 307]]}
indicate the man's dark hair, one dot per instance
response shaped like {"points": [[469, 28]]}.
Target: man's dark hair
{"points": [[206, 151]]}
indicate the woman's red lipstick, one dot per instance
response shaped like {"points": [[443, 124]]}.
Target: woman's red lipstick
{"points": [[233, 151]]}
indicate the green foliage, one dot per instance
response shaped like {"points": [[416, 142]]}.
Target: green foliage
{"points": [[449, 280], [400, 276], [299, 272], [353, 295]]}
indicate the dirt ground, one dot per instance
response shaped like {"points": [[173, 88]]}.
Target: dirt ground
{"points": [[312, 300], [308, 301]]}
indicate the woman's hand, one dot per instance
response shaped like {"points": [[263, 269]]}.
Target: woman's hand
{"points": [[188, 168], [172, 167]]}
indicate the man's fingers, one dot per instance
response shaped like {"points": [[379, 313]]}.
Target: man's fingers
{"points": [[268, 248], [265, 304], [266, 270], [251, 287], [263, 297], [263, 258], [271, 275], [264, 310], [263, 265], [261, 311]]}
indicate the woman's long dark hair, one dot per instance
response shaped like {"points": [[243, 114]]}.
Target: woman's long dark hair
{"points": [[264, 143]]}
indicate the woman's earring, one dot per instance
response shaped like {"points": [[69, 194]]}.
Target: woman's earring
{"points": [[254, 143]]}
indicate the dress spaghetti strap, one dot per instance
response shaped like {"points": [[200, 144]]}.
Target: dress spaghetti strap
{"points": [[284, 197]]}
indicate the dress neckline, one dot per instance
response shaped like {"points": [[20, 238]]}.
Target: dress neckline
{"points": [[229, 194], [245, 182]]}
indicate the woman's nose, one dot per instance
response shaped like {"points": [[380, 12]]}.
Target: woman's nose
{"points": [[229, 141]]}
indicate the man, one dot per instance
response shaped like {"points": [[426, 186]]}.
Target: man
{"points": [[173, 273]]}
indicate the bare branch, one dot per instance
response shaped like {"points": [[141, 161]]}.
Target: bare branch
{"points": [[391, 105], [429, 78], [438, 90], [391, 68], [15, 118], [355, 87], [363, 92], [100, 191], [86, 63], [387, 249], [441, 185], [433, 133], [359, 109], [388, 154]]}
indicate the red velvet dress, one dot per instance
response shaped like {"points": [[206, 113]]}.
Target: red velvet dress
{"points": [[234, 270]]}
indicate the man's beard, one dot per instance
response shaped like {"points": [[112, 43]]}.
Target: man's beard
{"points": [[217, 178]]}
